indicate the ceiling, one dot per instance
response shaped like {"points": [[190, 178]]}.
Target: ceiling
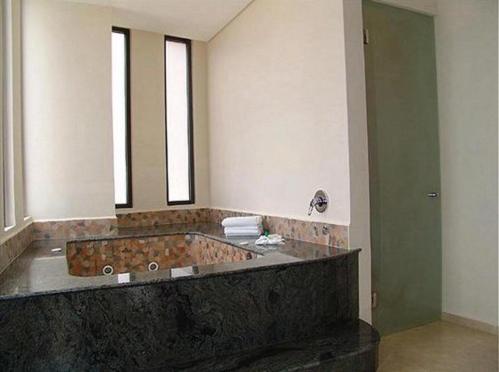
{"points": [[194, 19]]}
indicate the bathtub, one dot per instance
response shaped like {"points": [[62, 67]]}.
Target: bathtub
{"points": [[207, 303], [110, 256]]}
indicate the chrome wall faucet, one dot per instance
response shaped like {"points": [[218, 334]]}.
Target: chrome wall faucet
{"points": [[319, 202]]}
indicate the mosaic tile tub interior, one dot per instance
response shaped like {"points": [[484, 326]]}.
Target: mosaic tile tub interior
{"points": [[114, 256]]}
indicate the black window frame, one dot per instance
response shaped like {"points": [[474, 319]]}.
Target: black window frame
{"points": [[128, 139], [190, 123]]}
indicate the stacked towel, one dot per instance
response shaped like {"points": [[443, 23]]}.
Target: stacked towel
{"points": [[243, 226], [248, 221]]}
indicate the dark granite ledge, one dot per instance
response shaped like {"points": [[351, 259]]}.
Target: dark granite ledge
{"points": [[39, 271]]}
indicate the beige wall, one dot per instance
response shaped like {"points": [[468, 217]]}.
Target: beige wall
{"points": [[148, 122], [466, 39], [277, 110], [69, 139], [148, 118], [67, 110], [201, 123]]}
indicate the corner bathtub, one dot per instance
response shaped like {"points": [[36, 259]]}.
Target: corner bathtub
{"points": [[213, 304]]}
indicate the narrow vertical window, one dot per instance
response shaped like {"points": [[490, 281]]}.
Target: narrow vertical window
{"points": [[7, 119], [121, 117], [178, 104]]}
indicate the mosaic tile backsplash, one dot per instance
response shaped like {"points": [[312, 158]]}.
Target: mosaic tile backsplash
{"points": [[313, 232], [307, 231], [74, 228], [90, 257], [158, 218]]}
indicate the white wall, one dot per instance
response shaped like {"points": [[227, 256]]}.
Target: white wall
{"points": [[148, 122], [359, 232], [196, 20], [278, 110], [466, 39], [67, 110]]}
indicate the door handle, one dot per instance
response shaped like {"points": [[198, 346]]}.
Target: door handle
{"points": [[433, 194]]}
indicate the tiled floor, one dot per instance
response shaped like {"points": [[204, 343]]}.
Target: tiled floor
{"points": [[439, 347]]}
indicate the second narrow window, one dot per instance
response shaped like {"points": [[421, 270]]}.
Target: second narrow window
{"points": [[121, 117], [179, 127]]}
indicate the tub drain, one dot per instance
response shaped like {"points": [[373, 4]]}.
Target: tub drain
{"points": [[153, 266], [107, 270]]}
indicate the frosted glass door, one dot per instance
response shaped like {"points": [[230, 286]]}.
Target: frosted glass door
{"points": [[404, 166]]}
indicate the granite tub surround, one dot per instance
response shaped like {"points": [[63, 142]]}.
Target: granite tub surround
{"points": [[137, 254], [14, 246], [42, 268], [237, 320], [294, 307], [313, 232], [70, 229]]}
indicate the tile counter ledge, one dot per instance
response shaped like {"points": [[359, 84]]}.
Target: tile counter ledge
{"points": [[294, 306]]}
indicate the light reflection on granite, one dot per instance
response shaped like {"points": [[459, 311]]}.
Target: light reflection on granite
{"points": [[39, 270]]}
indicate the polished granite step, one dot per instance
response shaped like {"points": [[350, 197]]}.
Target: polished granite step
{"points": [[350, 347]]}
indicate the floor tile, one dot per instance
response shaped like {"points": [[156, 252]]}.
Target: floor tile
{"points": [[439, 347]]}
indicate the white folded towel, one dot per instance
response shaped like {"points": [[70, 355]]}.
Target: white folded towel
{"points": [[244, 231], [244, 228], [242, 221], [270, 239], [242, 235]]}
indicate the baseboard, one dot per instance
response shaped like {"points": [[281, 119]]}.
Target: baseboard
{"points": [[470, 323]]}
